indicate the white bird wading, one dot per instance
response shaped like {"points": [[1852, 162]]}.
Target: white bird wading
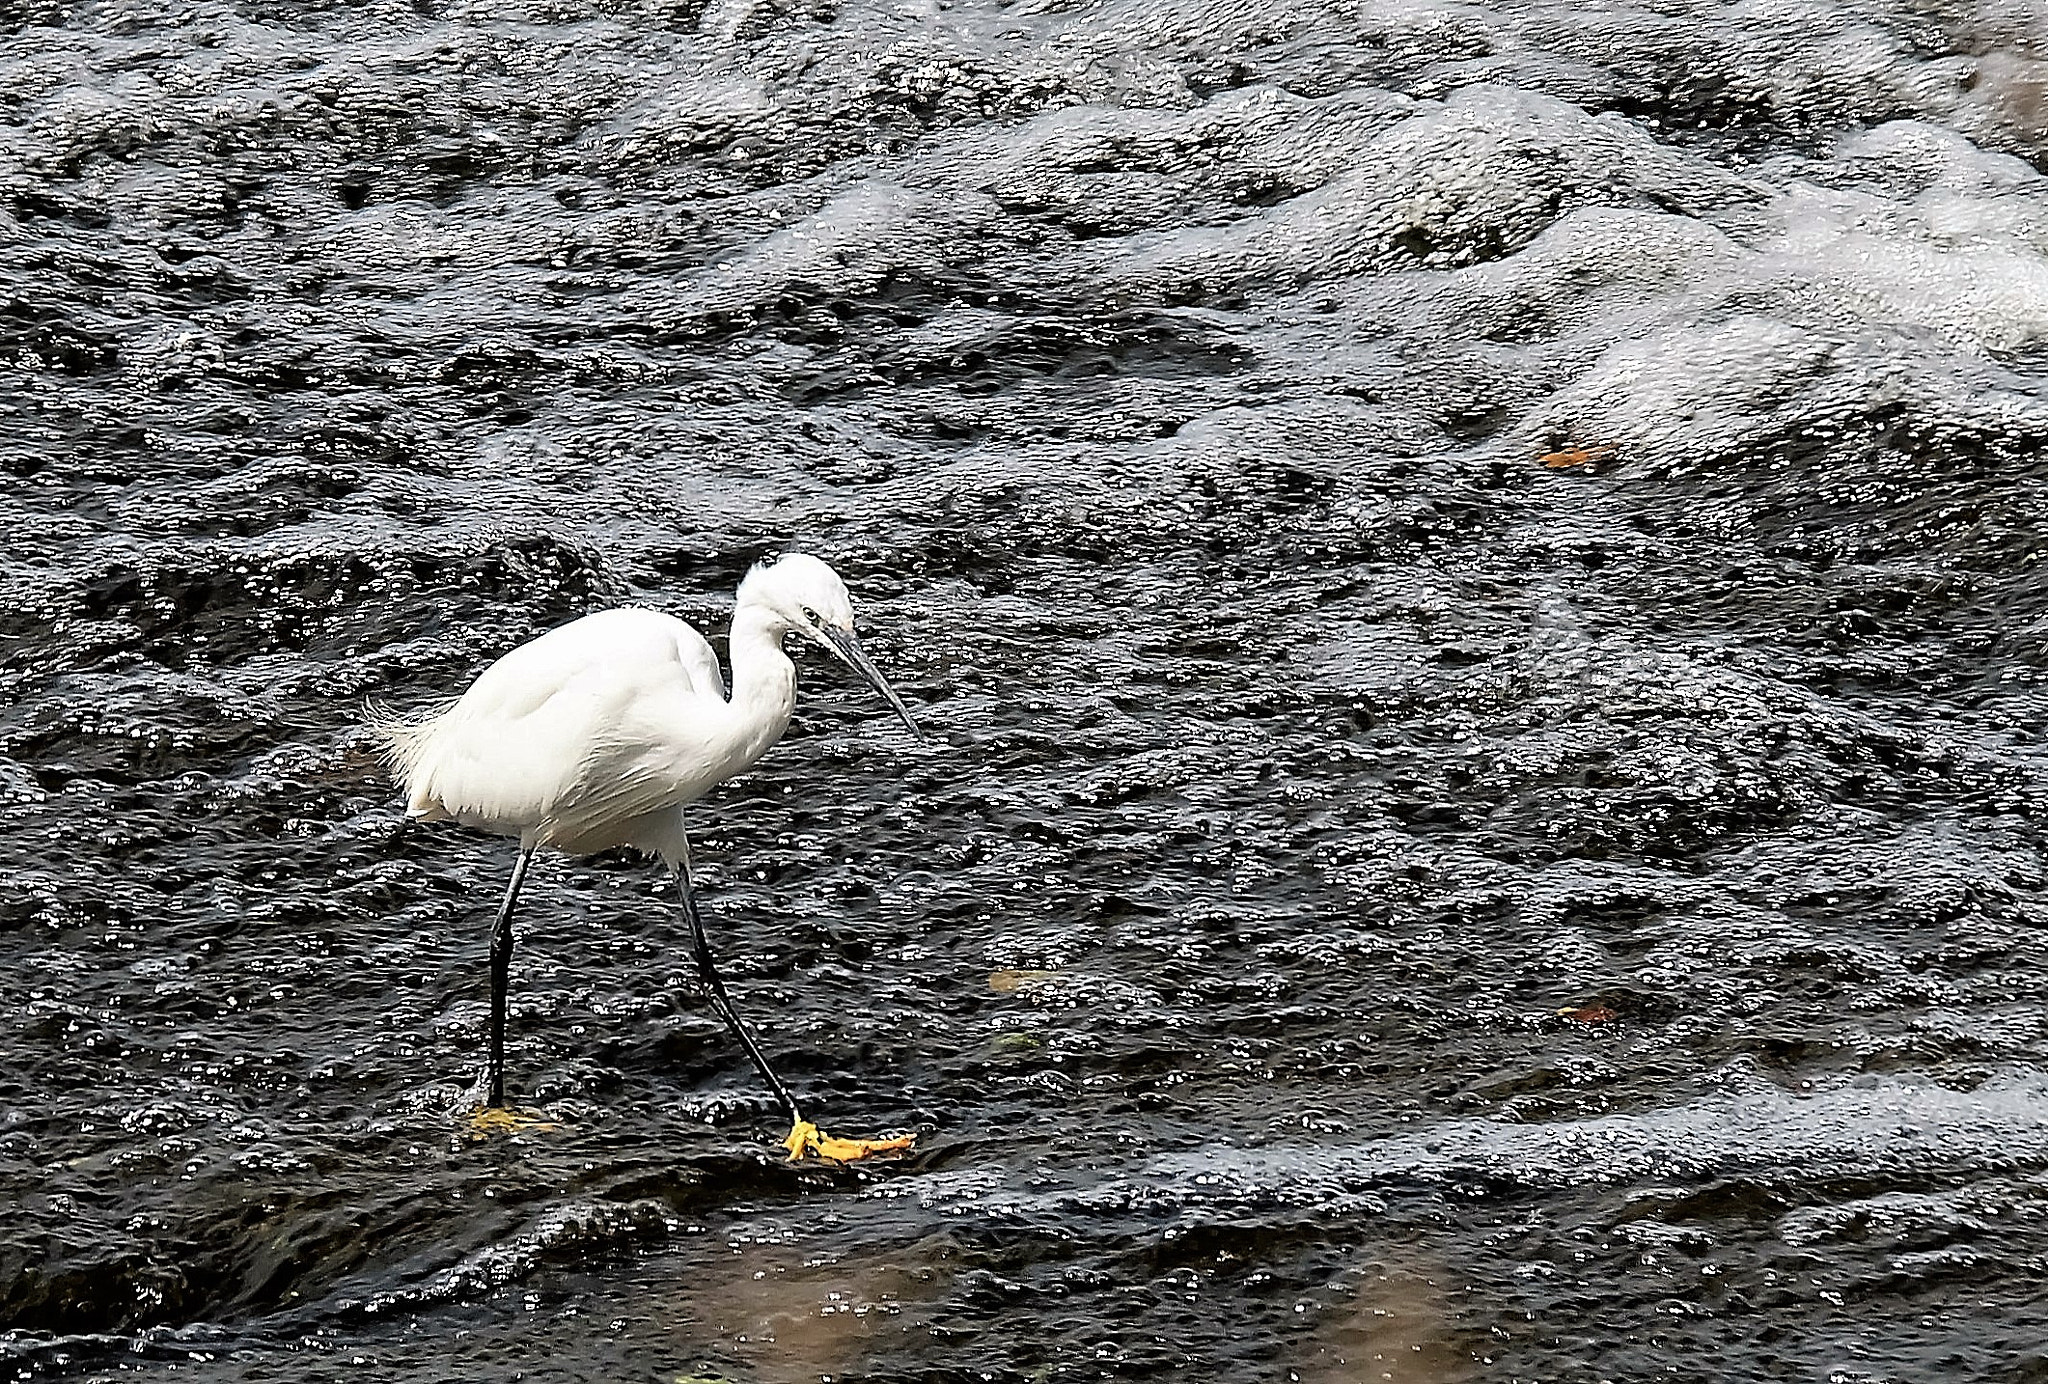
{"points": [[598, 734]]}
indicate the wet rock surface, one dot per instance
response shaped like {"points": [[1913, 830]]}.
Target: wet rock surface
{"points": [[1473, 571]]}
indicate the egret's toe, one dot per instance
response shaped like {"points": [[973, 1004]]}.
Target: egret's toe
{"points": [[806, 1138]]}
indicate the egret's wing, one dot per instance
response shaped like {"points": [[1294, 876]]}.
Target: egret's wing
{"points": [[579, 724], [618, 784], [503, 763], [699, 664], [642, 754]]}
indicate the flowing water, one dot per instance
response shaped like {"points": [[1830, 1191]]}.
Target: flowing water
{"points": [[1473, 567]]}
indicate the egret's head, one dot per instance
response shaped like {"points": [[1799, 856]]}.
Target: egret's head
{"points": [[806, 597], [804, 592]]}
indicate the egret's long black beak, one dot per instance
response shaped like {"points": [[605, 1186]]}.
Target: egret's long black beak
{"points": [[845, 644]]}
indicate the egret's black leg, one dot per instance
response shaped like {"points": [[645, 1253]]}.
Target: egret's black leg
{"points": [[501, 974], [723, 1002]]}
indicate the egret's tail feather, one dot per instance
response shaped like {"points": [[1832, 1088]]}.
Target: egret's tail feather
{"points": [[402, 739]]}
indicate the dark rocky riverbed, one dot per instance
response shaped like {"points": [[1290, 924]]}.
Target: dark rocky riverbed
{"points": [[1474, 571]]}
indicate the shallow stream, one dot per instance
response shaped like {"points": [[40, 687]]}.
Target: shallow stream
{"points": [[1474, 571]]}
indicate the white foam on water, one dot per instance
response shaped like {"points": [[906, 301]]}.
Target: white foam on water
{"points": [[1871, 1127]]}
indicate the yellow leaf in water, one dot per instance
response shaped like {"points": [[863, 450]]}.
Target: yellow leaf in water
{"points": [[1010, 982]]}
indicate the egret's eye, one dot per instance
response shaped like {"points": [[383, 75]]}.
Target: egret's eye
{"points": [[810, 615]]}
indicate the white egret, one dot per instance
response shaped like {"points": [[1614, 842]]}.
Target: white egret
{"points": [[599, 733]]}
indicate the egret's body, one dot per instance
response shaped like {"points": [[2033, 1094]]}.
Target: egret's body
{"points": [[595, 734], [599, 733]]}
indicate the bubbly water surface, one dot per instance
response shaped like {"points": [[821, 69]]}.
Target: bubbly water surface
{"points": [[1474, 570]]}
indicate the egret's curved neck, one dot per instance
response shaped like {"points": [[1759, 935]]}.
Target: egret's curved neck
{"points": [[763, 678]]}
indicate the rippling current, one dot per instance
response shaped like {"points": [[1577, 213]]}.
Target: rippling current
{"points": [[1474, 570]]}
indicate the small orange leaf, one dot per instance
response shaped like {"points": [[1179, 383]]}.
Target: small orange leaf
{"points": [[1574, 456], [1010, 982]]}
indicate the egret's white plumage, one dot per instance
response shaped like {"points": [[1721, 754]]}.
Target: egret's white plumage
{"points": [[595, 734], [599, 733], [589, 737]]}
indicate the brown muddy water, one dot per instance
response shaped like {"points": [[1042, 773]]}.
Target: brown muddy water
{"points": [[1474, 571]]}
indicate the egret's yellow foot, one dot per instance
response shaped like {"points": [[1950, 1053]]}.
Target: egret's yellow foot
{"points": [[805, 1137], [487, 1120]]}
